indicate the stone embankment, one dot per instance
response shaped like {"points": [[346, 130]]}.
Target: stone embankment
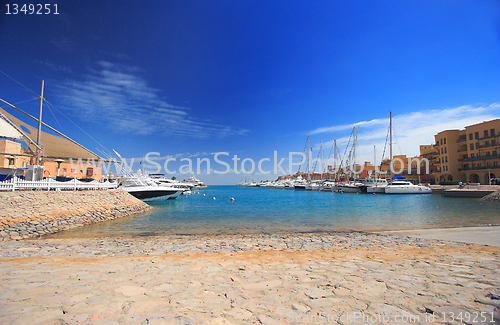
{"points": [[493, 197], [33, 214]]}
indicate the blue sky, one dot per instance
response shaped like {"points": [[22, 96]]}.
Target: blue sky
{"points": [[191, 78]]}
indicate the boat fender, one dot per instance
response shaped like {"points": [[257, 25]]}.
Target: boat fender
{"points": [[203, 194], [232, 199], [373, 193], [213, 198]]}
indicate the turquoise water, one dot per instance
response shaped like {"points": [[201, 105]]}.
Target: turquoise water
{"points": [[257, 210]]}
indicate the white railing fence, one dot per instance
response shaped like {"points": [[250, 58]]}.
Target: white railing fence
{"points": [[16, 184]]}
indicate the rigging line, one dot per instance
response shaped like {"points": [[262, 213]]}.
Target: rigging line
{"points": [[48, 106], [316, 162], [75, 124], [329, 155], [25, 101], [397, 141], [19, 83], [305, 146], [385, 145]]}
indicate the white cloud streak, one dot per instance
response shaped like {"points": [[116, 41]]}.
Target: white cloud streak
{"points": [[116, 95]]}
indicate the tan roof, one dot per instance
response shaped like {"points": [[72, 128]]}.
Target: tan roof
{"points": [[53, 146]]}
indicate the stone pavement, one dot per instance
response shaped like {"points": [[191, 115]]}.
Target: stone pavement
{"points": [[471, 235], [339, 278]]}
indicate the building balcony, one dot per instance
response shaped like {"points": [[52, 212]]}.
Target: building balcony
{"points": [[462, 150], [483, 158], [462, 139], [478, 168], [490, 136], [488, 146]]}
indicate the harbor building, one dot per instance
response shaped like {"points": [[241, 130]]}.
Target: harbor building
{"points": [[468, 155]]}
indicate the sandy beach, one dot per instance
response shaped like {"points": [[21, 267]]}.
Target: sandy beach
{"points": [[337, 278]]}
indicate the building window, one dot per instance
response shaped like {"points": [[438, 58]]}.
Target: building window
{"points": [[445, 149], [477, 145], [489, 164], [446, 158], [487, 143], [471, 137], [479, 165], [441, 141], [495, 163], [476, 135], [472, 155], [471, 146], [442, 151], [485, 133], [444, 140], [492, 132], [494, 153], [487, 153], [473, 165]]}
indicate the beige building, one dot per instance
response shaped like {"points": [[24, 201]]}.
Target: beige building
{"points": [[469, 155], [11, 154]]}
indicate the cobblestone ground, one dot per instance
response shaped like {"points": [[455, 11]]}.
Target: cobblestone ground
{"points": [[337, 278]]}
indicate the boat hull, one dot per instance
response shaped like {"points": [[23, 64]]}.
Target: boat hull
{"points": [[153, 193], [407, 190], [375, 189]]}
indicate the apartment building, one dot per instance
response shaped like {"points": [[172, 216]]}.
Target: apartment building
{"points": [[471, 154]]}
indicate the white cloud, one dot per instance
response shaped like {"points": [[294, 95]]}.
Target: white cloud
{"points": [[117, 96], [409, 130]]}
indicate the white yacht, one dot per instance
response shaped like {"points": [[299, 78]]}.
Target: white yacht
{"points": [[375, 185], [145, 188], [406, 187], [195, 182], [351, 187], [314, 186]]}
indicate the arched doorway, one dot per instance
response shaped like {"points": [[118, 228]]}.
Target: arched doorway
{"points": [[450, 178], [474, 178], [442, 179]]}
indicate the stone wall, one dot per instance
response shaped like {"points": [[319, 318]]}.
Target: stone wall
{"points": [[495, 197], [36, 213]]}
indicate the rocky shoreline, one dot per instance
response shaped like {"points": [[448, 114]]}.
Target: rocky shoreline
{"points": [[37, 213]]}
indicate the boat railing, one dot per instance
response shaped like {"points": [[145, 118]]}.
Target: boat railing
{"points": [[17, 184]]}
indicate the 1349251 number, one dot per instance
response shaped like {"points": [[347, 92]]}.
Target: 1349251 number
{"points": [[32, 9], [469, 318]]}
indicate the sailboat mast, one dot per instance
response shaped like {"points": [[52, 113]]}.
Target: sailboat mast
{"points": [[39, 124], [321, 165], [375, 163], [335, 158], [308, 161], [40, 117], [390, 144]]}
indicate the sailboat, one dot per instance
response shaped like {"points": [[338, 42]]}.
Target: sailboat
{"points": [[401, 185], [375, 185], [352, 186]]}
